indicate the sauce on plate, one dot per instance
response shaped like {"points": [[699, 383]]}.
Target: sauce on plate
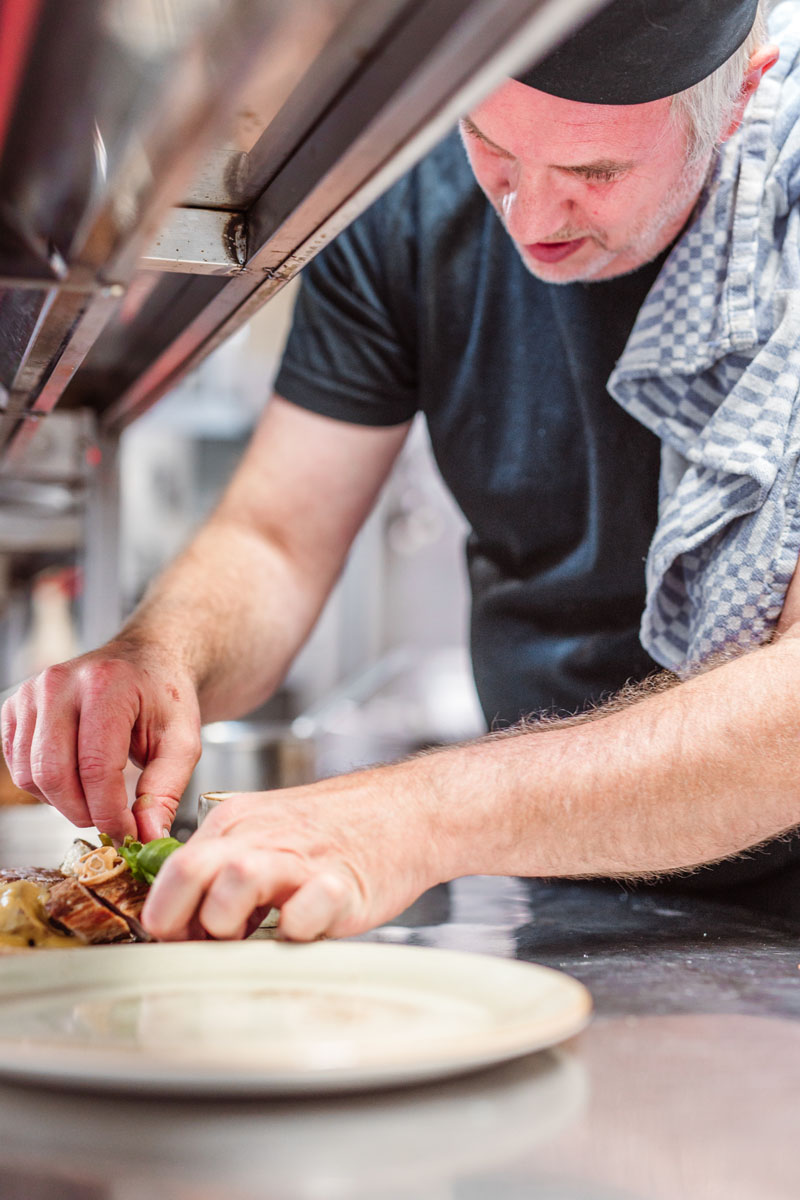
{"points": [[23, 923]]}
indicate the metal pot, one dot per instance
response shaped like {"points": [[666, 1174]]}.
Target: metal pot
{"points": [[243, 756]]}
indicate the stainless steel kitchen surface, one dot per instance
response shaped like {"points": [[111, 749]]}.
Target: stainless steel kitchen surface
{"points": [[220, 144], [684, 1085]]}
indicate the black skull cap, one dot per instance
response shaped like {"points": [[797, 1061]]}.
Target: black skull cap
{"points": [[635, 51]]}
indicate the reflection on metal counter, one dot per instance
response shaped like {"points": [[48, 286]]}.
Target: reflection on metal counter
{"points": [[664, 1096], [411, 1143]]}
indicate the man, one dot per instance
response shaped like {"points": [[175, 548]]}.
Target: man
{"points": [[504, 333]]}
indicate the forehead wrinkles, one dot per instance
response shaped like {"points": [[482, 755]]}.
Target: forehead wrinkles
{"points": [[548, 129], [599, 139]]}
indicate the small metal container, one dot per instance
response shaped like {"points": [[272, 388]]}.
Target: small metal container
{"points": [[208, 801]]}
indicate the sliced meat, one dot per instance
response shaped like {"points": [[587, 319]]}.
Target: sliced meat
{"points": [[75, 909], [45, 875], [125, 896]]}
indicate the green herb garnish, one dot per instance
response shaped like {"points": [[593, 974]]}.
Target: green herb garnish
{"points": [[144, 860]]}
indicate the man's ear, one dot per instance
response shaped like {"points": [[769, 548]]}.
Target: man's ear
{"points": [[762, 60]]}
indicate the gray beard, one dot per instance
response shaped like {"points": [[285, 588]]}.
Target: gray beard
{"points": [[648, 240]]}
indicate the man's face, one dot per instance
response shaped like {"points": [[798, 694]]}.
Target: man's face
{"points": [[586, 191]]}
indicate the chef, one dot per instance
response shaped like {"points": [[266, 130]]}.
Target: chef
{"points": [[591, 292]]}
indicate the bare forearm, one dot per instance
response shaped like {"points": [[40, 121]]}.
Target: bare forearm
{"points": [[232, 610], [236, 607], [688, 776]]}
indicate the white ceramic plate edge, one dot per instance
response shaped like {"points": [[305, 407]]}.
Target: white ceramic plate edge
{"points": [[124, 1069]]}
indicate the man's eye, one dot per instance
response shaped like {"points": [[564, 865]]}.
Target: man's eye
{"points": [[600, 176]]}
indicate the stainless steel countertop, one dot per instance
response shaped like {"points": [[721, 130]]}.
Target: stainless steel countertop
{"points": [[684, 1086]]}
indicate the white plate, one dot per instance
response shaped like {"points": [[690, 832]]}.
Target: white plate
{"points": [[272, 1018]]}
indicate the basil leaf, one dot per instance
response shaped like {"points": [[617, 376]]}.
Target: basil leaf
{"points": [[152, 857]]}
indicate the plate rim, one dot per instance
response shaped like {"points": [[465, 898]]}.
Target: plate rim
{"points": [[118, 1068]]}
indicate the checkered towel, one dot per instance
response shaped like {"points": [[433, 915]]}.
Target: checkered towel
{"points": [[712, 366]]}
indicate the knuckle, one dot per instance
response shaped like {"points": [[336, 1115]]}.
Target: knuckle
{"points": [[102, 675], [53, 680], [93, 768], [186, 743], [334, 887], [238, 873], [48, 774]]}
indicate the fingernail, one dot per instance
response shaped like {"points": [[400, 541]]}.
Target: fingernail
{"points": [[165, 832]]}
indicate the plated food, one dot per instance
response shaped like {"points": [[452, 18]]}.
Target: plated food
{"points": [[95, 896]]}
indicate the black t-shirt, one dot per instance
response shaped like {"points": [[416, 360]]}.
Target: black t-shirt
{"points": [[424, 304]]}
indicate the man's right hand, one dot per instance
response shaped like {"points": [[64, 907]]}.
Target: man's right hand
{"points": [[68, 734]]}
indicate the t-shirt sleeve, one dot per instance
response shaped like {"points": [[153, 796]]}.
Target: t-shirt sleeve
{"points": [[350, 352]]}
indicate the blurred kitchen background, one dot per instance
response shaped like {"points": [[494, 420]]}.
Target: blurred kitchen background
{"points": [[387, 670], [166, 169]]}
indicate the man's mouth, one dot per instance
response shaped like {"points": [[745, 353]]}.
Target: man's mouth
{"points": [[553, 252]]}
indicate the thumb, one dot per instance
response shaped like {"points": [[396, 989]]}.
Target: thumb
{"points": [[153, 816], [162, 784]]}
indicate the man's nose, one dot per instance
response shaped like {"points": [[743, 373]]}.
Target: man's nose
{"points": [[536, 206]]}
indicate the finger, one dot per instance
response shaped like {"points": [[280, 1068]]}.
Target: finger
{"points": [[53, 753], [19, 756], [164, 780], [54, 766], [233, 895], [8, 725], [104, 732], [152, 819], [172, 902], [320, 906], [181, 886]]}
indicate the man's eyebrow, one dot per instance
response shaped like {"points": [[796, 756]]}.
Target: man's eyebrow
{"points": [[473, 128], [611, 166], [600, 166]]}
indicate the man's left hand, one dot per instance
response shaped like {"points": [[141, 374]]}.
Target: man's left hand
{"points": [[337, 858]]}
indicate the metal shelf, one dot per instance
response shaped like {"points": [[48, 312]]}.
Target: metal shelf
{"points": [[203, 152]]}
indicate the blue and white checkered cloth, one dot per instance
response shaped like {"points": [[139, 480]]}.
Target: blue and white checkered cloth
{"points": [[712, 366]]}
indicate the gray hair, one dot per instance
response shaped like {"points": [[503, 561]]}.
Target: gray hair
{"points": [[707, 109]]}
